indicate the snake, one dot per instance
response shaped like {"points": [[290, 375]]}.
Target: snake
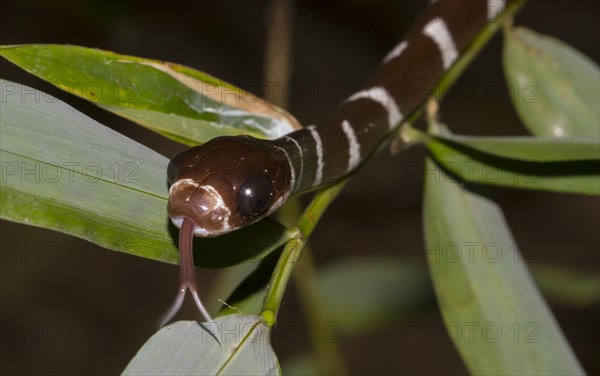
{"points": [[231, 182]]}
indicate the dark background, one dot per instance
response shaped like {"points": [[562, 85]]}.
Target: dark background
{"points": [[86, 310]]}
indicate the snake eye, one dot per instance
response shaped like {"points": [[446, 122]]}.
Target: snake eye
{"points": [[255, 196]]}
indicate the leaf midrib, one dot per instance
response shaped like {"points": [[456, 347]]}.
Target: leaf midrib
{"points": [[132, 188]]}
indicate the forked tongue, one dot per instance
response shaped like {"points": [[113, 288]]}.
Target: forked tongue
{"points": [[187, 275]]}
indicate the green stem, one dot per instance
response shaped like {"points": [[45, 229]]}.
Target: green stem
{"points": [[293, 250]]}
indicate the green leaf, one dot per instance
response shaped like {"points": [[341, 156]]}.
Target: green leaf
{"points": [[493, 311], [64, 171], [179, 102], [366, 294], [531, 149], [555, 89], [570, 165], [230, 345]]}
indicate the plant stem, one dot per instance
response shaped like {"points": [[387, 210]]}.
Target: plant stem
{"points": [[293, 250]]}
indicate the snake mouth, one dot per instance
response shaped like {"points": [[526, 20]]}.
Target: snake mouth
{"points": [[200, 203]]}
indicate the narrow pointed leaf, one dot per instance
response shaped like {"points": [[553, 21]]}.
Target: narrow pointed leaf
{"points": [[230, 345], [64, 171], [570, 165], [530, 149], [176, 101], [493, 311], [555, 88]]}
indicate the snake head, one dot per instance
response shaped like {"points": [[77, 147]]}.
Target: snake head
{"points": [[227, 183]]}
